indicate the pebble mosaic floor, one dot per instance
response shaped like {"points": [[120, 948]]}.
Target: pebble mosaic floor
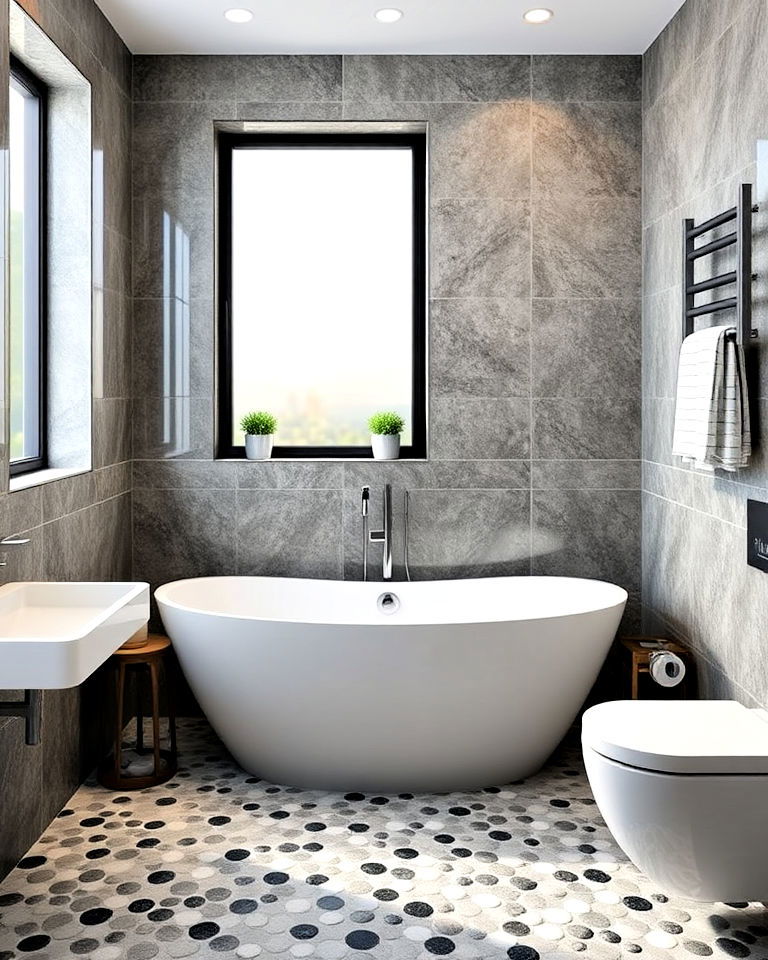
{"points": [[217, 863]]}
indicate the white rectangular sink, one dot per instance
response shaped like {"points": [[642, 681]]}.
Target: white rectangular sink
{"points": [[54, 635]]}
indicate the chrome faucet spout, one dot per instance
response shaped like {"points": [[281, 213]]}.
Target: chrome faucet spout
{"points": [[384, 537]]}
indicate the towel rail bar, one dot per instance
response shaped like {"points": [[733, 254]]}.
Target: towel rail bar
{"points": [[742, 276], [713, 307], [712, 224], [722, 281], [713, 246]]}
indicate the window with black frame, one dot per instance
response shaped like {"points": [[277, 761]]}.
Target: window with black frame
{"points": [[322, 288], [27, 154]]}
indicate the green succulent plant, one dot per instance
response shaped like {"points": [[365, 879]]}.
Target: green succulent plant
{"points": [[386, 422], [258, 423]]}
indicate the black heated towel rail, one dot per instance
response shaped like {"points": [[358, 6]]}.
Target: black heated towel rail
{"points": [[742, 277]]}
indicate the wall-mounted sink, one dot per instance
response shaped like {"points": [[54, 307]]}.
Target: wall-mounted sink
{"points": [[54, 635]]}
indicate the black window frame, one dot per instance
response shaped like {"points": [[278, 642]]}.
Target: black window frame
{"points": [[227, 143], [24, 76]]}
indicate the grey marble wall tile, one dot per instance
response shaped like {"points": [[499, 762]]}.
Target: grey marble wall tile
{"points": [[671, 53], [275, 475], [116, 353], [476, 149], [586, 429], [670, 580], [658, 428], [592, 149], [113, 480], [586, 247], [188, 78], [480, 429], [21, 510], [586, 475], [437, 474], [311, 110], [111, 431], [289, 77], [158, 215], [480, 348], [480, 248], [731, 604], [661, 253], [68, 495], [177, 427], [671, 483], [662, 338], [289, 533], [586, 78], [446, 78], [585, 348], [92, 544], [721, 498], [713, 17], [168, 333], [253, 78], [587, 533], [478, 533], [184, 474], [189, 533], [174, 144]]}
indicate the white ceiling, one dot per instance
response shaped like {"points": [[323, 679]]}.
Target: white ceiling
{"points": [[348, 26]]}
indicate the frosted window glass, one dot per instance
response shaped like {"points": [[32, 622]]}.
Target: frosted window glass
{"points": [[322, 290]]}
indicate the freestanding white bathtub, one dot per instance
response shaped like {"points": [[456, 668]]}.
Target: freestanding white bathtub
{"points": [[468, 683]]}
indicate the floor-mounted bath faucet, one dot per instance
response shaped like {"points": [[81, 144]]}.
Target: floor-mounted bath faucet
{"points": [[384, 537]]}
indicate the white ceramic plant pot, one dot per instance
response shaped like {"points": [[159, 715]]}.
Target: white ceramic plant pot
{"points": [[386, 446], [259, 446]]}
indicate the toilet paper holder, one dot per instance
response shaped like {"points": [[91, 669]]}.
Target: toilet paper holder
{"points": [[641, 651]]}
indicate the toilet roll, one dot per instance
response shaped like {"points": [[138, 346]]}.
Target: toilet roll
{"points": [[666, 669]]}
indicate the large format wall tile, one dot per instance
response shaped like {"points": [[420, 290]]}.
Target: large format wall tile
{"points": [[586, 247], [592, 429], [477, 533], [588, 533], [289, 533], [591, 149], [447, 78], [603, 334], [480, 429], [480, 248], [586, 78], [184, 534], [480, 348]]}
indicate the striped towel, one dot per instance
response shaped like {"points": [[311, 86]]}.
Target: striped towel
{"points": [[712, 411]]}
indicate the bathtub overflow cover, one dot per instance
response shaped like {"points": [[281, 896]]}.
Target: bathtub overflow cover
{"points": [[388, 603]]}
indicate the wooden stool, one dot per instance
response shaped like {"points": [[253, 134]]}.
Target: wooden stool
{"points": [[641, 661], [150, 656]]}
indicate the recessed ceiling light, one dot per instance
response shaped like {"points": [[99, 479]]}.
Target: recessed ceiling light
{"points": [[389, 15], [538, 15], [238, 15]]}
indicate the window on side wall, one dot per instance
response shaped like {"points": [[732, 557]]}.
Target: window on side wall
{"points": [[322, 288], [27, 175]]}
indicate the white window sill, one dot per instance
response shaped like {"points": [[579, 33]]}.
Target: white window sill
{"points": [[38, 477]]}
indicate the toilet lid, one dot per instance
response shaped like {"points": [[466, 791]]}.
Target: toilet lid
{"points": [[682, 736]]}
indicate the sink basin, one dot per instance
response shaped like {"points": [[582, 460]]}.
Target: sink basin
{"points": [[54, 635]]}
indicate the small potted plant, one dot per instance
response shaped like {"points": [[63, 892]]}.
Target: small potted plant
{"points": [[386, 428], [259, 429]]}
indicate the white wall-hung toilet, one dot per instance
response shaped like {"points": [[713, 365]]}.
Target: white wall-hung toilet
{"points": [[683, 787]]}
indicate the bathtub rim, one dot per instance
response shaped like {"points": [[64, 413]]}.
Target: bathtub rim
{"points": [[161, 597]]}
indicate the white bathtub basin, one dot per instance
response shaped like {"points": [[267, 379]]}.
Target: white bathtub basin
{"points": [[464, 683], [54, 635]]}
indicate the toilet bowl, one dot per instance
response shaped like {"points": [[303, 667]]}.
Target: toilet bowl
{"points": [[683, 788]]}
